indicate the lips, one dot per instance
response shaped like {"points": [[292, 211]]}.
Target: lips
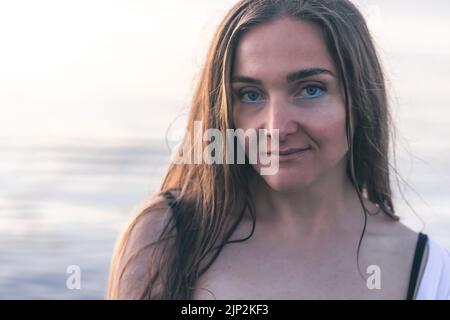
{"points": [[289, 151], [290, 154]]}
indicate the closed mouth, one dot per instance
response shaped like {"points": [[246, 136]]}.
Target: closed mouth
{"points": [[289, 151]]}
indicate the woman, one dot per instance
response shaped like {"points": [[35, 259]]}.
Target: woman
{"points": [[324, 225]]}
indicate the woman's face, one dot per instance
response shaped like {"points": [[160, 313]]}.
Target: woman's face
{"points": [[284, 78]]}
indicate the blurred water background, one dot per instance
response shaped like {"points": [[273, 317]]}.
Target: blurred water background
{"points": [[89, 90]]}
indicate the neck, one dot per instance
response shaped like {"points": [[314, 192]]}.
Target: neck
{"points": [[326, 206]]}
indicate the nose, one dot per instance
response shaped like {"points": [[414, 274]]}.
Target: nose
{"points": [[280, 117]]}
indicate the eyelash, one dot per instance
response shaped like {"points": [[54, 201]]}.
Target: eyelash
{"points": [[241, 93]]}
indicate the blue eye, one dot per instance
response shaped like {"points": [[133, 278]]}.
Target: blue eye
{"points": [[308, 93], [251, 95], [312, 92]]}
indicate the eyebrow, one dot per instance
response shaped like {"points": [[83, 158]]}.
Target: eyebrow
{"points": [[291, 77]]}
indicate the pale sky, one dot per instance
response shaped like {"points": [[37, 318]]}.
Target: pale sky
{"points": [[124, 69]]}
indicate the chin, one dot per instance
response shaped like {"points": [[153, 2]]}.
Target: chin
{"points": [[286, 182]]}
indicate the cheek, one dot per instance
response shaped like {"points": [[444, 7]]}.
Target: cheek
{"points": [[330, 134], [243, 119], [240, 122]]}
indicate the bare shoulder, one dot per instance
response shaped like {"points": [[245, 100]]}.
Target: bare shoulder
{"points": [[391, 235], [391, 245], [132, 260], [389, 229], [148, 222]]}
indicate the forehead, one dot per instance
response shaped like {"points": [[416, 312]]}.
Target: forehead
{"points": [[277, 48]]}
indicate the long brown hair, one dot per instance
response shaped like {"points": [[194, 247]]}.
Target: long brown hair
{"points": [[212, 199]]}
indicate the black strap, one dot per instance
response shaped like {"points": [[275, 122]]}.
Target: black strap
{"points": [[420, 247], [174, 204], [170, 198]]}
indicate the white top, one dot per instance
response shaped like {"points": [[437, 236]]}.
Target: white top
{"points": [[435, 282]]}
